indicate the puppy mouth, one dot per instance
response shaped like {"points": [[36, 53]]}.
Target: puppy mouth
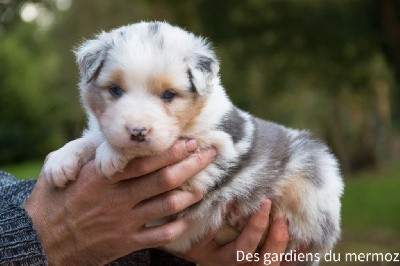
{"points": [[138, 137]]}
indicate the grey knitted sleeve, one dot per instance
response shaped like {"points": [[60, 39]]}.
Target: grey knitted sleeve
{"points": [[19, 243]]}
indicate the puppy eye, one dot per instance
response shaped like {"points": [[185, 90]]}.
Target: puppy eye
{"points": [[116, 91], [168, 95]]}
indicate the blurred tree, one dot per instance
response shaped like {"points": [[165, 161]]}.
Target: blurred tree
{"points": [[310, 64], [389, 18], [10, 12], [316, 64], [25, 131]]}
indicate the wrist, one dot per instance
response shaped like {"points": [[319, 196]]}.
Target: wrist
{"points": [[56, 240]]}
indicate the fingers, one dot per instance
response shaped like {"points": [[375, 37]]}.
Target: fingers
{"points": [[160, 235], [254, 229], [301, 250], [145, 165], [277, 239], [169, 177], [250, 237], [165, 205]]}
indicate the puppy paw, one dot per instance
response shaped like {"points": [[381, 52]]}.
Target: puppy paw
{"points": [[226, 234], [236, 218], [109, 161], [61, 167]]}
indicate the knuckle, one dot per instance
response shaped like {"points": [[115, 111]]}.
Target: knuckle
{"points": [[168, 177], [259, 228], [141, 167], [139, 240], [171, 203], [175, 153], [168, 235]]}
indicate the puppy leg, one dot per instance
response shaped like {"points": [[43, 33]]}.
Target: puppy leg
{"points": [[110, 161], [64, 164]]}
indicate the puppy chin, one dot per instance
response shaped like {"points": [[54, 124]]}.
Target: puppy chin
{"points": [[149, 146]]}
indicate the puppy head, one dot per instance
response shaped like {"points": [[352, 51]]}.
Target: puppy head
{"points": [[146, 83]]}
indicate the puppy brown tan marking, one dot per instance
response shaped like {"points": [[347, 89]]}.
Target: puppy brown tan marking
{"points": [[146, 85]]}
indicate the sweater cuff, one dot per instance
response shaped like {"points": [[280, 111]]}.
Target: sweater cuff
{"points": [[19, 242]]}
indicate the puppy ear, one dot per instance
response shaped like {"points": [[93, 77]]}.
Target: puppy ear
{"points": [[90, 57], [202, 72]]}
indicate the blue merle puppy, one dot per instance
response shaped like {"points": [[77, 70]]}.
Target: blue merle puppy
{"points": [[146, 85]]}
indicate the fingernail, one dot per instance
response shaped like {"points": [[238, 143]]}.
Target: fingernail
{"points": [[191, 145], [284, 220], [281, 220], [267, 203]]}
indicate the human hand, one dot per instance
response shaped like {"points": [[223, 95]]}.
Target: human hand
{"points": [[208, 252], [96, 220]]}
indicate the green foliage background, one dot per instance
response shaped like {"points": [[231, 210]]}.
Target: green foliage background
{"points": [[322, 65]]}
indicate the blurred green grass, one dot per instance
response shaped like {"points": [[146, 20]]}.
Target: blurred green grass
{"points": [[370, 214], [25, 170], [372, 199]]}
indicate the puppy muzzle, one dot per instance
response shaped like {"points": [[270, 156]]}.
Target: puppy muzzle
{"points": [[139, 134]]}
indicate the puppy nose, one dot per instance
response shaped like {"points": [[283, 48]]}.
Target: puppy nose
{"points": [[139, 134]]}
